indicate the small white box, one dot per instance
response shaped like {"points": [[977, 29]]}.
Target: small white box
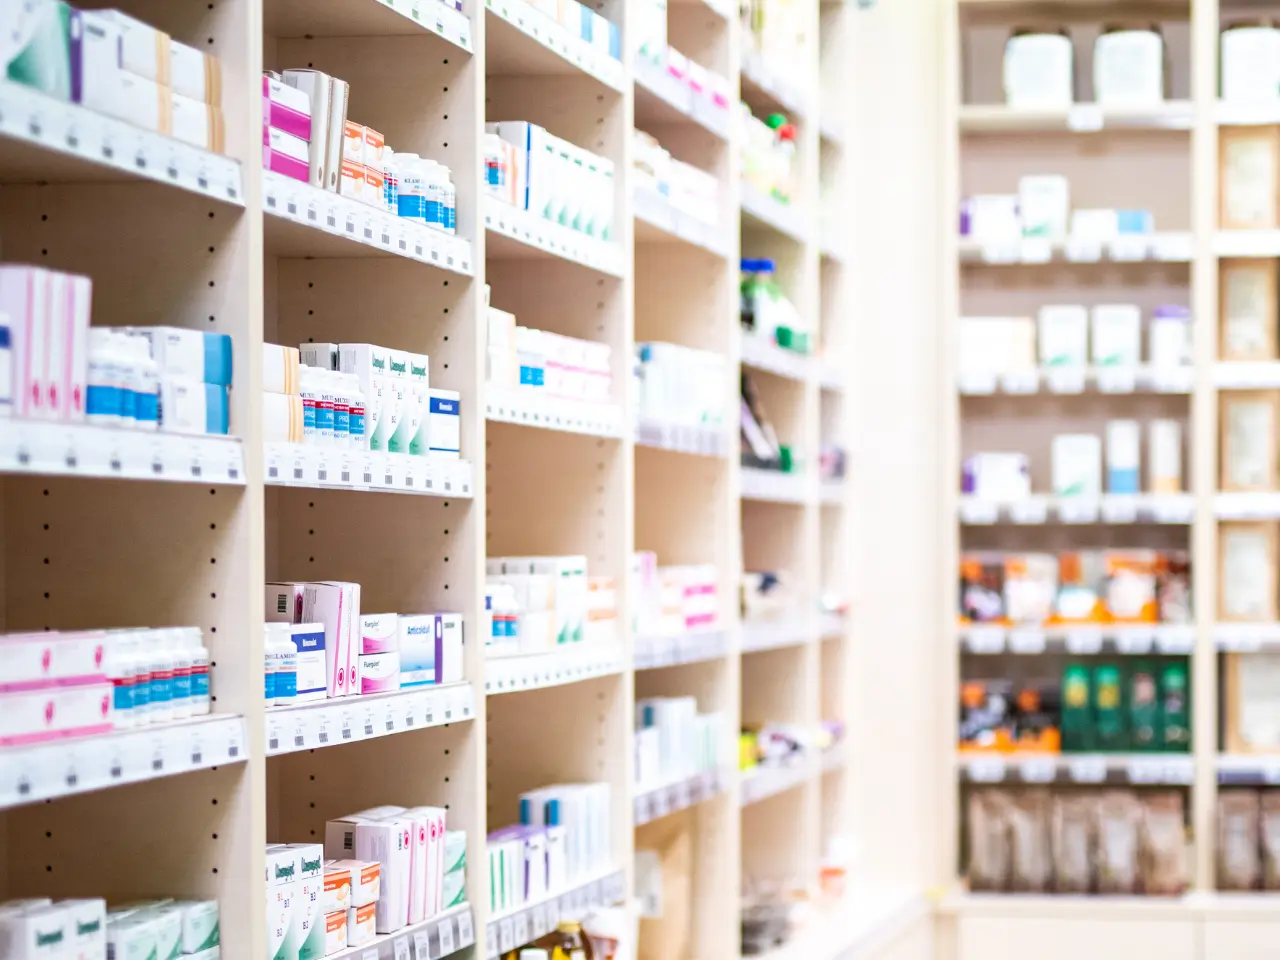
{"points": [[1077, 465], [378, 633], [1044, 202], [379, 672], [444, 424], [1117, 335], [335, 931], [294, 147], [1064, 335], [195, 75], [198, 123], [200, 925], [361, 924], [192, 407], [144, 50], [87, 927], [1169, 337]]}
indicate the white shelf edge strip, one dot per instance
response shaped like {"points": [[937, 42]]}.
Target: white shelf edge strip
{"points": [[32, 117], [1244, 375], [654, 78], [1246, 243], [1069, 381], [1152, 768], [762, 354], [526, 408], [518, 927], [758, 484], [331, 468], [446, 933], [547, 33], [775, 634], [56, 448], [654, 652], [657, 211], [327, 723], [764, 782], [435, 16], [1245, 769], [1246, 637], [1080, 639], [654, 802], [1165, 247], [1174, 508], [553, 238], [60, 768], [698, 440], [783, 217], [537, 670], [1262, 505], [362, 223]]}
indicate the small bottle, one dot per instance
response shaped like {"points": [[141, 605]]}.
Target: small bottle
{"points": [[122, 671], [146, 385], [355, 397], [269, 664], [390, 180], [131, 378], [286, 668], [199, 671], [105, 378], [141, 658], [307, 387], [434, 192], [161, 656], [411, 198], [337, 391], [448, 200], [324, 408], [180, 702]]}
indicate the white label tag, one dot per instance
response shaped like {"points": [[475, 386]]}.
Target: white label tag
{"points": [[1084, 642], [1087, 769], [465, 935], [1117, 379], [1071, 510], [445, 930], [978, 511], [1026, 641], [1129, 248], [977, 384], [1035, 250], [1119, 509], [986, 769], [401, 948], [1002, 253], [1084, 118], [1037, 770], [1066, 379], [1020, 384], [422, 945], [1028, 511], [1134, 642], [1083, 250]]}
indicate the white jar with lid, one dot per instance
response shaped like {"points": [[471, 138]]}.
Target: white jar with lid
{"points": [[1039, 69], [1251, 62], [1128, 67]]}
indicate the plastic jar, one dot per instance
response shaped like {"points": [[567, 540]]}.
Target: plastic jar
{"points": [[1039, 69], [1250, 55], [411, 195], [1129, 66]]}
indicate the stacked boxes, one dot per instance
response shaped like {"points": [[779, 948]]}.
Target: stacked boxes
{"points": [[557, 366], [676, 384], [116, 65], [160, 928], [541, 603], [584, 23], [287, 130], [689, 189], [44, 344], [409, 847], [674, 600], [282, 410]]}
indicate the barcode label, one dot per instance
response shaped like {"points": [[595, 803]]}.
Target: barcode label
{"points": [[282, 603]]}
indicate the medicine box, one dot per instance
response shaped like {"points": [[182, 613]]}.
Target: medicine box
{"points": [[194, 354], [1064, 335], [192, 407], [286, 109], [1077, 465], [1117, 335], [31, 716], [378, 633], [444, 423]]}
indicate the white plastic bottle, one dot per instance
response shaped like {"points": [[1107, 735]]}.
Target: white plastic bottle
{"points": [[269, 663], [103, 398], [449, 198], [411, 202], [356, 416], [337, 392], [324, 407], [434, 190], [199, 672], [286, 668], [145, 384], [161, 655], [140, 657], [122, 671], [180, 701]]}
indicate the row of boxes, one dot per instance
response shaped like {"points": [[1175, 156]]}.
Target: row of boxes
{"points": [[553, 179], [117, 65], [1071, 336], [679, 385], [1078, 465], [675, 599], [557, 366], [338, 651], [690, 191], [674, 742]]}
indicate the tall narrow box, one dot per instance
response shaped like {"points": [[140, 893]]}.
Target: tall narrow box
{"points": [[1248, 437]]}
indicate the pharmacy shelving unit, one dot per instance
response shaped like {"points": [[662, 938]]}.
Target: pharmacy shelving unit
{"points": [[1166, 160], [106, 529]]}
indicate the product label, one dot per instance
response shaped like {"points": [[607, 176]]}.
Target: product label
{"points": [[355, 423], [146, 407], [200, 683]]}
